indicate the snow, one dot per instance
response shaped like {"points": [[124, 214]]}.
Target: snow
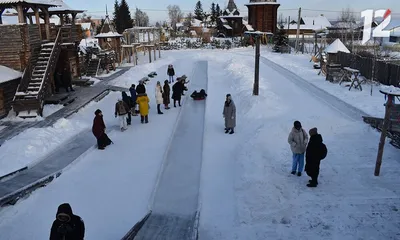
{"points": [[47, 111], [105, 74], [8, 74], [337, 46], [109, 34], [227, 26], [86, 26], [301, 65], [246, 189]]}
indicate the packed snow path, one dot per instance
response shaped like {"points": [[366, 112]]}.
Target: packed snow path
{"points": [[176, 197]]}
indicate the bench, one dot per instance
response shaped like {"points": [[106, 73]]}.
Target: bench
{"points": [[347, 74]]}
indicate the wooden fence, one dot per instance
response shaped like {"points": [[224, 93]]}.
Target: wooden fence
{"points": [[380, 71]]}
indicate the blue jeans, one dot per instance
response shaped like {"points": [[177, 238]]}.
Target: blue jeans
{"points": [[298, 161], [171, 79]]}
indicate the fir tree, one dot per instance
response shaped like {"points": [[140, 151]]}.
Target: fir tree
{"points": [[117, 16], [198, 11], [213, 14], [125, 17], [280, 39]]}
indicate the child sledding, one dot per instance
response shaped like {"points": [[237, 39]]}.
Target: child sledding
{"points": [[199, 95]]}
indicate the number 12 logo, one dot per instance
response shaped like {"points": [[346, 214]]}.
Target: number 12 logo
{"points": [[369, 16]]}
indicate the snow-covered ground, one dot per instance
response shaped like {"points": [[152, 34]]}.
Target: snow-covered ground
{"points": [[301, 65], [246, 191], [47, 111]]}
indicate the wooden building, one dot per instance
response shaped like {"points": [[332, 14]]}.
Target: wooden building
{"points": [[37, 49], [110, 40], [231, 22], [9, 81], [263, 15]]}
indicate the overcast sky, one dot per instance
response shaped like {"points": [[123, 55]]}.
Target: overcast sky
{"points": [[156, 9]]}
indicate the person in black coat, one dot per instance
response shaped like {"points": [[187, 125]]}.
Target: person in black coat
{"points": [[177, 90], [170, 73], [67, 226], [316, 151], [67, 79], [140, 88], [129, 102]]}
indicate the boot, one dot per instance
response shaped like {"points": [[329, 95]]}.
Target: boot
{"points": [[293, 173], [312, 185], [158, 109], [232, 132], [226, 130], [299, 174], [146, 119]]}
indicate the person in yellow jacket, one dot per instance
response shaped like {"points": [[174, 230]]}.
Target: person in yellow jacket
{"points": [[143, 102]]}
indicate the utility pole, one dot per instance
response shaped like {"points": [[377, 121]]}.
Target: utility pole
{"points": [[298, 30], [257, 66]]}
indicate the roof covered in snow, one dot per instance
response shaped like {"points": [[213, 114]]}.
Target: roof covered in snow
{"points": [[312, 23], [8, 3], [8, 74], [337, 46], [86, 26], [247, 25], [108, 35], [262, 2], [61, 7]]}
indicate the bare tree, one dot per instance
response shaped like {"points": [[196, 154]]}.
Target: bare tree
{"points": [[188, 20], [175, 15], [141, 18], [347, 24]]}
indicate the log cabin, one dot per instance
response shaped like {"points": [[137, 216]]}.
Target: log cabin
{"points": [[38, 48], [263, 15]]}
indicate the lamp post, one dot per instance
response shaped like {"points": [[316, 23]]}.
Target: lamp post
{"points": [[257, 37]]}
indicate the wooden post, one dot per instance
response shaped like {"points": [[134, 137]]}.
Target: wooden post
{"points": [[31, 19], [47, 22], [134, 55], [37, 19], [77, 61], [159, 50], [20, 10], [298, 31], [149, 54], [1, 14], [257, 67], [385, 127], [148, 37], [154, 51], [61, 16]]}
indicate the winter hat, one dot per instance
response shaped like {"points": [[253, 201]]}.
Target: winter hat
{"points": [[297, 124], [97, 112], [228, 95], [313, 131]]}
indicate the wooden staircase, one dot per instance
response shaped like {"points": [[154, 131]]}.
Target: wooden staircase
{"points": [[36, 80], [93, 67]]}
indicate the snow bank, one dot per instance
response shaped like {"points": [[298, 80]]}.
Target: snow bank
{"points": [[48, 110], [28, 147], [7, 74]]}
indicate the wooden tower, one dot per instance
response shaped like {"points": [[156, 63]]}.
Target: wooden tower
{"points": [[263, 15]]}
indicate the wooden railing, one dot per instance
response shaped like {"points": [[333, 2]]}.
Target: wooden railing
{"points": [[26, 76], [55, 52]]}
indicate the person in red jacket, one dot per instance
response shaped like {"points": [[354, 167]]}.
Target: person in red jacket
{"points": [[99, 130]]}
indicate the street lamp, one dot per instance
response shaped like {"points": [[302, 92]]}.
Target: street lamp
{"points": [[257, 37]]}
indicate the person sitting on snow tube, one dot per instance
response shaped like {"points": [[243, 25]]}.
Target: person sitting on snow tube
{"points": [[199, 95]]}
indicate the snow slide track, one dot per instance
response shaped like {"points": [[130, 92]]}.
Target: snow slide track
{"points": [[335, 103], [174, 212]]}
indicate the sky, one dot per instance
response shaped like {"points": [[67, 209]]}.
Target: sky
{"points": [[156, 9]]}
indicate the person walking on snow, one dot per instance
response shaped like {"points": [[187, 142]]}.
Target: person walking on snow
{"points": [[229, 114], [166, 94], [143, 101], [171, 73], [132, 90], [316, 151], [298, 140], [121, 110], [67, 226], [159, 97], [140, 89], [128, 102], [99, 130], [177, 90]]}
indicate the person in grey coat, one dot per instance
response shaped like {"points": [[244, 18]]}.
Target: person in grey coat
{"points": [[298, 140], [229, 114]]}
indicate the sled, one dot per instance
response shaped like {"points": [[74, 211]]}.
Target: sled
{"points": [[152, 74], [144, 80]]}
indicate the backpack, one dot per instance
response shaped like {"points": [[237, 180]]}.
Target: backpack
{"points": [[121, 108], [324, 151]]}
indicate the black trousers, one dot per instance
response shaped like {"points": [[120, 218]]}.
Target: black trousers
{"points": [[129, 119], [313, 172], [179, 102], [144, 118]]}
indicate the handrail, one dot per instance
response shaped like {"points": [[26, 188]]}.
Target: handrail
{"points": [[98, 66], [24, 79], [53, 54]]}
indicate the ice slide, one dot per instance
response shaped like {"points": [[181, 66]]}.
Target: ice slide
{"points": [[174, 210]]}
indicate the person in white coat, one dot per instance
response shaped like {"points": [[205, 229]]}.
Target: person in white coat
{"points": [[159, 97]]}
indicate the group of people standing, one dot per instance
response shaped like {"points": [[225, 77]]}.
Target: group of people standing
{"points": [[126, 105], [314, 150]]}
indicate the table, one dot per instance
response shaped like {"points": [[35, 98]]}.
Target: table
{"points": [[347, 76]]}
